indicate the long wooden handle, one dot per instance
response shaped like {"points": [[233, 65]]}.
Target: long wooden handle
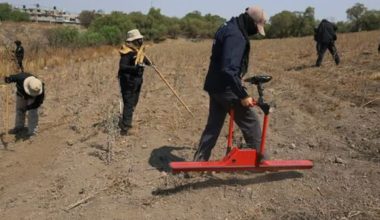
{"points": [[170, 87], [6, 110], [5, 106]]}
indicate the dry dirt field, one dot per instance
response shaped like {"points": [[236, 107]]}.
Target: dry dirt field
{"points": [[78, 167]]}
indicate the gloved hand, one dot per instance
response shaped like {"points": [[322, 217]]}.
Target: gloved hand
{"points": [[140, 69], [7, 79], [149, 63], [23, 109], [140, 66]]}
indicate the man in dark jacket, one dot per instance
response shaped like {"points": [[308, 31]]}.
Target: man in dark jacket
{"points": [[29, 97], [19, 54], [325, 36], [131, 69], [228, 64]]}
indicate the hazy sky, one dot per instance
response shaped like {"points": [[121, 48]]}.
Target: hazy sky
{"points": [[226, 8]]}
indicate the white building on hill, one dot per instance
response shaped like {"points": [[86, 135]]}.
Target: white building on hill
{"points": [[54, 15]]}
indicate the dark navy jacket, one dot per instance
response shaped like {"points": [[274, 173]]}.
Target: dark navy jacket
{"points": [[225, 70], [326, 32], [19, 80]]}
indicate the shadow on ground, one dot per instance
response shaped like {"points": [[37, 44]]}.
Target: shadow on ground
{"points": [[301, 67], [162, 156], [213, 182], [5, 140]]}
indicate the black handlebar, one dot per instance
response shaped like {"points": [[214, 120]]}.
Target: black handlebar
{"points": [[259, 81]]}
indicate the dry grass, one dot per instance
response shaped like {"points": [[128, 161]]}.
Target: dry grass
{"points": [[317, 111], [49, 58], [375, 76]]}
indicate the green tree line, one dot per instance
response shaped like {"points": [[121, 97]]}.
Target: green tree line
{"points": [[112, 28], [7, 13], [298, 24]]}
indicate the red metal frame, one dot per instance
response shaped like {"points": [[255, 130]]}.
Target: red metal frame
{"points": [[242, 159], [230, 131], [264, 134]]}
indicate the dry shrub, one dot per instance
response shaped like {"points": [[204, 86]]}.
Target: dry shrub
{"points": [[375, 76], [50, 58]]}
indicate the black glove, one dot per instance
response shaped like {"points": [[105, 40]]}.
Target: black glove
{"points": [[140, 66], [23, 109], [140, 69], [7, 79], [149, 63]]}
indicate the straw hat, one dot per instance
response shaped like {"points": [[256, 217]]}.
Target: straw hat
{"points": [[259, 16], [33, 86], [133, 35]]}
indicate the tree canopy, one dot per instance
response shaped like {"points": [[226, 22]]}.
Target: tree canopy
{"points": [[8, 13], [112, 28]]}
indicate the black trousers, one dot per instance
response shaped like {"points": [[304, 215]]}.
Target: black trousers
{"points": [[321, 49], [19, 63], [245, 118], [130, 89]]}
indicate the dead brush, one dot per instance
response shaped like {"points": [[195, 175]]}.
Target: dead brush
{"points": [[41, 57], [111, 128], [375, 76], [7, 66]]}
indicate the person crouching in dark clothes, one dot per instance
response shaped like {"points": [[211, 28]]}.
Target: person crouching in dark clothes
{"points": [[228, 64], [19, 54], [131, 69], [325, 36], [29, 97]]}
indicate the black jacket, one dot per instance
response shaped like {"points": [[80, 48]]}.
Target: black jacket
{"points": [[127, 65], [326, 32], [226, 69], [19, 52], [19, 80]]}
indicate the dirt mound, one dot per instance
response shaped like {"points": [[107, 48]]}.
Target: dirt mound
{"points": [[79, 167]]}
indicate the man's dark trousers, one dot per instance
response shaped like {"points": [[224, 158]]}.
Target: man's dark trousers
{"points": [[130, 89], [19, 63], [322, 47], [245, 118]]}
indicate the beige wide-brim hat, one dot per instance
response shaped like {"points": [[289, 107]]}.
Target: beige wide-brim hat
{"points": [[259, 16], [134, 35], [33, 86]]}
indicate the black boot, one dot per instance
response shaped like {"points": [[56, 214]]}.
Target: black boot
{"points": [[337, 59], [199, 157], [17, 130], [124, 128]]}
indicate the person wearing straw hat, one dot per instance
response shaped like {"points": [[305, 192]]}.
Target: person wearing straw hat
{"points": [[228, 64], [131, 70], [29, 97]]}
